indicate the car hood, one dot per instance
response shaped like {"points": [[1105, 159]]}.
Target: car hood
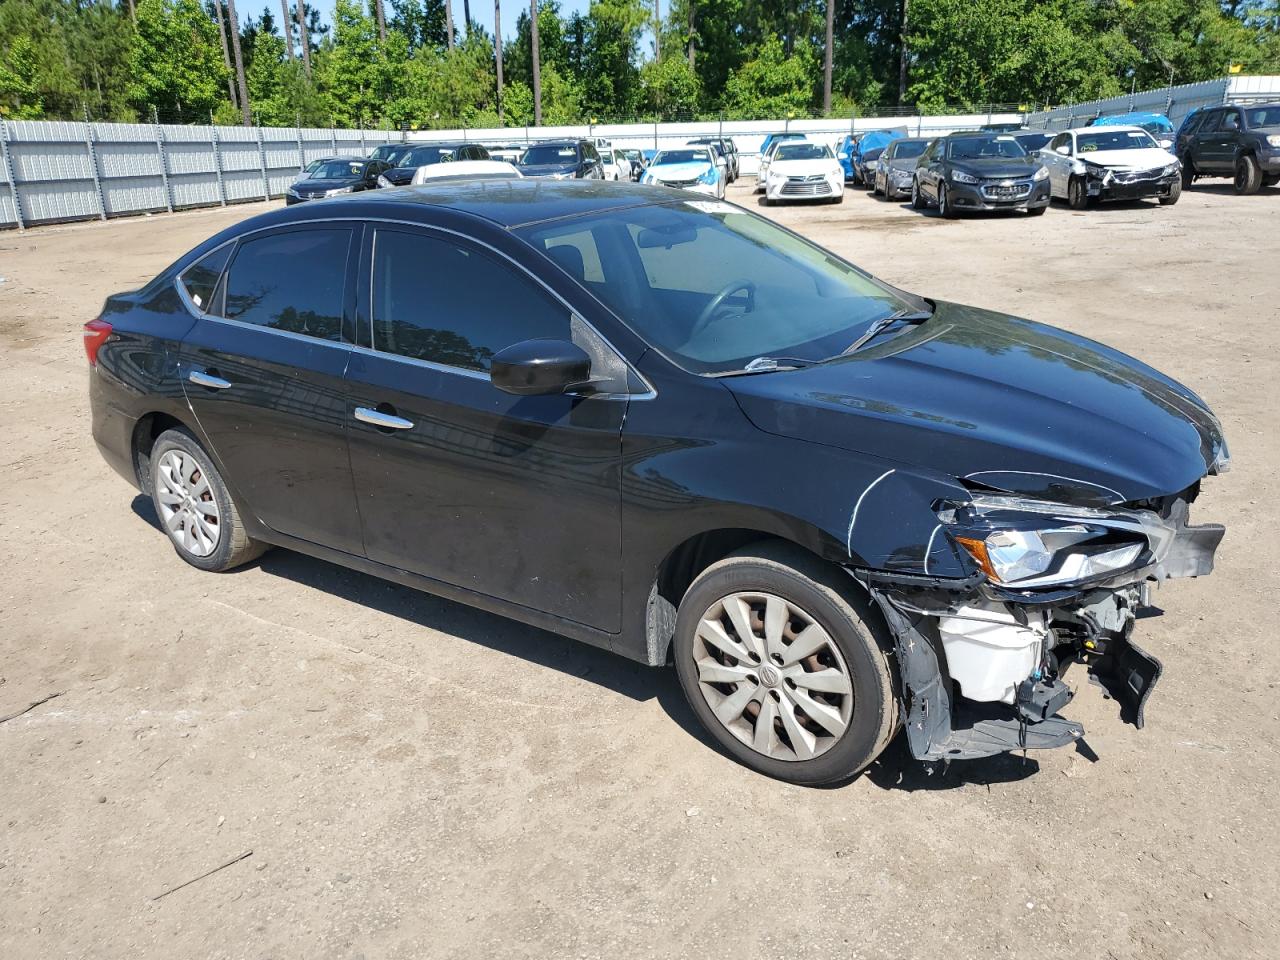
{"points": [[1001, 401], [320, 186], [1143, 158], [547, 169], [804, 168], [679, 171], [997, 167]]}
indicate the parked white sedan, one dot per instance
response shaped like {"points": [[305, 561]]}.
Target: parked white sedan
{"points": [[689, 168], [1110, 163], [616, 165], [802, 170]]}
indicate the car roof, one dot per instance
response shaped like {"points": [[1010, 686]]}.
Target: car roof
{"points": [[509, 203], [567, 142], [1109, 128]]}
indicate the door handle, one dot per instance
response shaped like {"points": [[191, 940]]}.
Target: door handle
{"points": [[386, 421], [207, 380]]}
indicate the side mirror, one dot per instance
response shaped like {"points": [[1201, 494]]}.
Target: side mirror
{"points": [[1166, 143], [1064, 150], [540, 367]]}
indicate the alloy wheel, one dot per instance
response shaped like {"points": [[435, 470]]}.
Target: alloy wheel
{"points": [[187, 505], [772, 676]]}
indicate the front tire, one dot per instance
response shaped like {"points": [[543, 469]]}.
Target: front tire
{"points": [[786, 665], [1175, 191], [917, 198], [194, 506], [945, 207], [1248, 177], [1077, 194]]}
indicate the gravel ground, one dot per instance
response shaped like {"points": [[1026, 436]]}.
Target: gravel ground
{"points": [[418, 779]]}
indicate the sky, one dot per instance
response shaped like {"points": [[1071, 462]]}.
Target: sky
{"points": [[481, 11]]}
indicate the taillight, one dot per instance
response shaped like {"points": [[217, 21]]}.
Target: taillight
{"points": [[96, 333]]}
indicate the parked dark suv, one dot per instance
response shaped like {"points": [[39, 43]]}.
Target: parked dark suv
{"points": [[424, 155], [563, 160], [728, 150], [1239, 141], [979, 171], [678, 431]]}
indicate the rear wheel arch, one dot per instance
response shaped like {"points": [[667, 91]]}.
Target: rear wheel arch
{"points": [[145, 433]]}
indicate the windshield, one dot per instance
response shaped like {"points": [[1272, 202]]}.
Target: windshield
{"points": [[338, 170], [906, 149], [713, 287], [1263, 117], [984, 148], [425, 156], [802, 151], [632, 154], [550, 153], [682, 156], [1113, 140]]}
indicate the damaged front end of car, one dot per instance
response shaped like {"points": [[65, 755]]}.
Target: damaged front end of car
{"points": [[982, 658]]}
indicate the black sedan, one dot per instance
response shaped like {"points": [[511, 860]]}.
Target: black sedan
{"points": [[979, 171], [334, 177], [678, 431]]}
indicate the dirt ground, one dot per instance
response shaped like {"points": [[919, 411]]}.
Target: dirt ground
{"points": [[418, 779]]}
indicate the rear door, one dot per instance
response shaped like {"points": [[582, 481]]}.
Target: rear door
{"points": [[1209, 144], [263, 373], [517, 498]]}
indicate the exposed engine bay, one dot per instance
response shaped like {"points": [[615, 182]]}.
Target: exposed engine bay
{"points": [[983, 660]]}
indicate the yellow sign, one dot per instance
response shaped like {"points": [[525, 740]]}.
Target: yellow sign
{"points": [[1235, 68]]}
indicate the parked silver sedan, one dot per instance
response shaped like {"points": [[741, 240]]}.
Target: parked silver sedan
{"points": [[895, 167]]}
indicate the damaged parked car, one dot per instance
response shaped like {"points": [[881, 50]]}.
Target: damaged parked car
{"points": [[669, 427], [1110, 163]]}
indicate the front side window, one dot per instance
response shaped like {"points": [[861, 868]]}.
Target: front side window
{"points": [[1230, 121], [1061, 140], [713, 287], [440, 301], [200, 280], [291, 281]]}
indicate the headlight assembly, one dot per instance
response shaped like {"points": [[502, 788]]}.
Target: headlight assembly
{"points": [[1274, 140], [1171, 169], [384, 182], [1022, 543], [1042, 173], [337, 190], [959, 176]]}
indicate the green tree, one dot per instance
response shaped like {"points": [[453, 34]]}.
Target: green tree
{"points": [[176, 63], [670, 88], [772, 83], [610, 79], [561, 100], [19, 98]]}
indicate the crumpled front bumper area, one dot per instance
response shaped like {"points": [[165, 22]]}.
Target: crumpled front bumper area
{"points": [[982, 670]]}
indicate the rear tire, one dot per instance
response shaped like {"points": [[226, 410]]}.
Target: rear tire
{"points": [[785, 596], [917, 198], [1188, 174], [1248, 175], [1175, 191], [194, 506]]}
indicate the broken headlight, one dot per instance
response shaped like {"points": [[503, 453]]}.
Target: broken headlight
{"points": [[1032, 543]]}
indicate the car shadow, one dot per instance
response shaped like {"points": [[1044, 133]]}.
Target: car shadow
{"points": [[1225, 188], [894, 769], [612, 671]]}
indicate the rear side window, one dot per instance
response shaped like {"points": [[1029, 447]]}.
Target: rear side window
{"points": [[445, 303], [200, 280], [291, 281]]}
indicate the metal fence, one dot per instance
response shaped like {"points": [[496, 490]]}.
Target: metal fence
{"points": [[1175, 102], [52, 172]]}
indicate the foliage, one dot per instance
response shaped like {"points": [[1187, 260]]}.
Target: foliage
{"points": [[772, 83], [739, 58], [175, 62]]}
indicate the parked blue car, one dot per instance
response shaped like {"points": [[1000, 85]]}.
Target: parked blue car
{"points": [[1157, 124], [863, 152]]}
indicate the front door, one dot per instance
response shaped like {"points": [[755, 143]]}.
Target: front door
{"points": [[517, 498], [263, 372]]}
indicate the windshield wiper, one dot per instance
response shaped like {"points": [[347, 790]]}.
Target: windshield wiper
{"points": [[900, 316]]}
